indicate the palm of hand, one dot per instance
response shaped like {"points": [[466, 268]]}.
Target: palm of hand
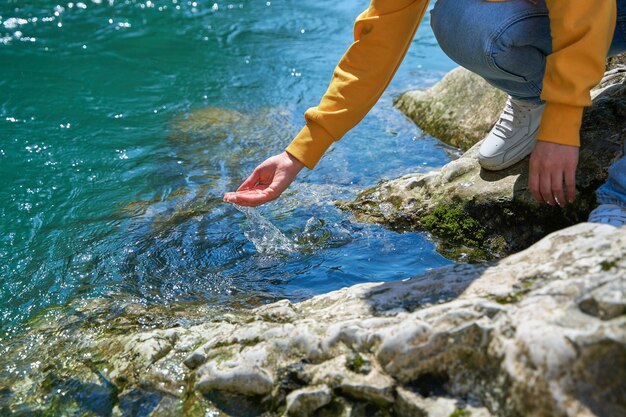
{"points": [[267, 182]]}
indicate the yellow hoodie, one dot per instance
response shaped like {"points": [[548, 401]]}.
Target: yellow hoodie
{"points": [[582, 31]]}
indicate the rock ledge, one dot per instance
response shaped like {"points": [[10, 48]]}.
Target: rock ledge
{"points": [[547, 324]]}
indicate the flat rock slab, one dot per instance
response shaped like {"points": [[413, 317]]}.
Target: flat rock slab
{"points": [[547, 324]]}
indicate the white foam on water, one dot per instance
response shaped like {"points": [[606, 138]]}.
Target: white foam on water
{"points": [[266, 237]]}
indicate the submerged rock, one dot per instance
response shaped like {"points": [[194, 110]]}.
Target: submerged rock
{"points": [[198, 143], [211, 151], [478, 214], [547, 324]]}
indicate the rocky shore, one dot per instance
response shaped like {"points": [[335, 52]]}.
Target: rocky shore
{"points": [[477, 214], [538, 333]]}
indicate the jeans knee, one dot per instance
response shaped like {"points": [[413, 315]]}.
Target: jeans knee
{"points": [[457, 32], [442, 26], [435, 18], [495, 40]]}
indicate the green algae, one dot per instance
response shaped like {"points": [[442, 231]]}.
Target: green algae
{"points": [[358, 364], [517, 294], [510, 298], [608, 265], [249, 342], [454, 225], [461, 412]]}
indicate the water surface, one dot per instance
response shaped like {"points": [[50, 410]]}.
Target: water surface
{"points": [[103, 190]]}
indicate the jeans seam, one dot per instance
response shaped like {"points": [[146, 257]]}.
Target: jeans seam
{"points": [[491, 62], [534, 87]]}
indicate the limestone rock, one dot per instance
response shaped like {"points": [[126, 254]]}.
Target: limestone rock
{"points": [[478, 213], [412, 404], [616, 61], [459, 110], [546, 324], [376, 387], [304, 402], [613, 77], [237, 377]]}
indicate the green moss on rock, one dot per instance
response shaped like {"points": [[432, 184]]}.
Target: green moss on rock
{"points": [[358, 364], [452, 224], [608, 265], [461, 412]]}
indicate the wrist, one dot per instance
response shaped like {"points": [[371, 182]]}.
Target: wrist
{"points": [[295, 162], [542, 142]]}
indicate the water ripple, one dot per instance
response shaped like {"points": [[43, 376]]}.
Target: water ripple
{"points": [[123, 122]]}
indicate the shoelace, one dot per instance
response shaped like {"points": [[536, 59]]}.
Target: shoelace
{"points": [[510, 118]]}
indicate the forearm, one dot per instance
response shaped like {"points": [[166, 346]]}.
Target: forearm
{"points": [[382, 35], [581, 36]]}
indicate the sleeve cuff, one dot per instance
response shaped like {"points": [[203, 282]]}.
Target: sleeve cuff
{"points": [[560, 124], [310, 144]]}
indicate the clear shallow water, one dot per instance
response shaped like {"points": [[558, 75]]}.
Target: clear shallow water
{"points": [[104, 189]]}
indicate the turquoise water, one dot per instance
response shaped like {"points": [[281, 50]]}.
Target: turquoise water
{"points": [[102, 191]]}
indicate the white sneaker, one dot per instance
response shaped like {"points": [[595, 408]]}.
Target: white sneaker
{"points": [[513, 136], [608, 214]]}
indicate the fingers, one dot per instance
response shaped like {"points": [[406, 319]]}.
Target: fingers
{"points": [[549, 188], [546, 185], [556, 183], [540, 181], [570, 184], [545, 188], [251, 198], [552, 173], [267, 181], [250, 182]]}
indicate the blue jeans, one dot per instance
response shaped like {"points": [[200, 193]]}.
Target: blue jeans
{"points": [[506, 43]]}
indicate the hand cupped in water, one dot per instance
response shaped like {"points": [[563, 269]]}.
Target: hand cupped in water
{"points": [[267, 182]]}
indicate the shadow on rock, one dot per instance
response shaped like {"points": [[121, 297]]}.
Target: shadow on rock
{"points": [[546, 323]]}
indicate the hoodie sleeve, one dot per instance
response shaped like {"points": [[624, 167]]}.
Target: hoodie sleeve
{"points": [[382, 35], [582, 31]]}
